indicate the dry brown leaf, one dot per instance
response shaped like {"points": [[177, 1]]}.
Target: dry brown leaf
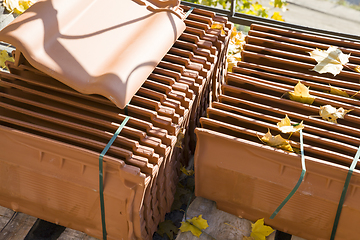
{"points": [[285, 125], [337, 91], [301, 94], [331, 114], [331, 60], [276, 141]]}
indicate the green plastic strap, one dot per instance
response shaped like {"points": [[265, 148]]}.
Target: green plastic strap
{"points": [[299, 181], [188, 12], [101, 176], [343, 194]]}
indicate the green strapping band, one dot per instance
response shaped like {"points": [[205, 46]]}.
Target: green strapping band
{"points": [[188, 12], [299, 181], [343, 194], [101, 176]]}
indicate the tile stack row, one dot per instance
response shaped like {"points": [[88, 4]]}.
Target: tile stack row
{"points": [[252, 178], [51, 137]]}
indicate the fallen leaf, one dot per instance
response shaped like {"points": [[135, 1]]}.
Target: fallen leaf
{"points": [[276, 141], [277, 16], [331, 60], [235, 47], [195, 225], [167, 227], [187, 172], [4, 56], [232, 61], [259, 231], [331, 114], [301, 94], [337, 91], [180, 138], [218, 26], [357, 69], [18, 6], [285, 125]]}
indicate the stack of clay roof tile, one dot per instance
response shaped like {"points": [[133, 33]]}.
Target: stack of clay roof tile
{"points": [[250, 179], [51, 137]]}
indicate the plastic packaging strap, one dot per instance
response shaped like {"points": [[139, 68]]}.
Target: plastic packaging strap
{"points": [[188, 12], [343, 194], [101, 176], [299, 181]]}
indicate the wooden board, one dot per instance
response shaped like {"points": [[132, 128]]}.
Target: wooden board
{"points": [[16, 226]]}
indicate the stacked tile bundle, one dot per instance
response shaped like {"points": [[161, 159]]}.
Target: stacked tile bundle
{"points": [[51, 137], [252, 178]]}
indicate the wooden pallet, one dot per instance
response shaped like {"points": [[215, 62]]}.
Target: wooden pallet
{"points": [[18, 226]]}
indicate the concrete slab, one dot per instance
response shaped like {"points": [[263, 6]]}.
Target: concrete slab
{"points": [[222, 225], [321, 14]]}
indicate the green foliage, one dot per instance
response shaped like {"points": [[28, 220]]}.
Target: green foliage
{"points": [[243, 6]]}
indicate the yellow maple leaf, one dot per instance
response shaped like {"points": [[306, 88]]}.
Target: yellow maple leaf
{"points": [[301, 94], [331, 114], [195, 225], [18, 6], [337, 91], [285, 125], [4, 56], [276, 141], [232, 61], [259, 231], [331, 60], [357, 69], [277, 16], [187, 172], [218, 26], [167, 227]]}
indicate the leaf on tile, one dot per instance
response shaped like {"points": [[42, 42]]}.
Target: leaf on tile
{"points": [[285, 125], [232, 61], [357, 69], [331, 60], [236, 44], [195, 225], [259, 231], [218, 26], [331, 114], [337, 91], [4, 56], [276, 141], [167, 227], [301, 94]]}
